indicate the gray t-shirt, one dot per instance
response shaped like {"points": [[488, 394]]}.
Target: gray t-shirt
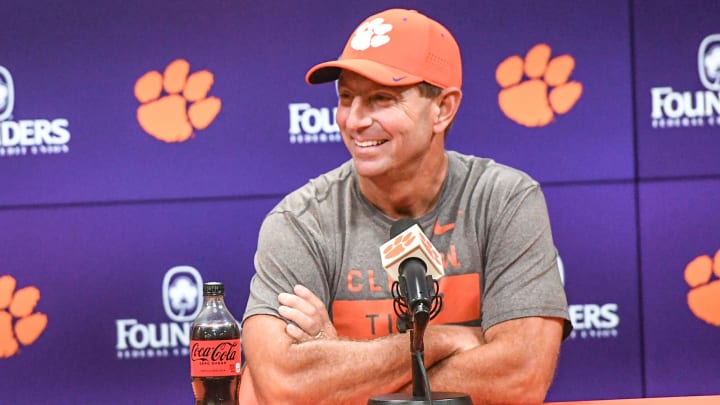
{"points": [[490, 224]]}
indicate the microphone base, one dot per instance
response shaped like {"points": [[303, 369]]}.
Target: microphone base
{"points": [[407, 398]]}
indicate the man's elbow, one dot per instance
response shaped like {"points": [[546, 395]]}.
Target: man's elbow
{"points": [[530, 396], [530, 388], [275, 395], [276, 388]]}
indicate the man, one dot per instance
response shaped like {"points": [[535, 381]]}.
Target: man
{"points": [[317, 325]]}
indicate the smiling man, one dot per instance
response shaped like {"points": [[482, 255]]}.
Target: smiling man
{"points": [[319, 326]]}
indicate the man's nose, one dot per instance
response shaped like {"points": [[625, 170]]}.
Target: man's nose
{"points": [[358, 115]]}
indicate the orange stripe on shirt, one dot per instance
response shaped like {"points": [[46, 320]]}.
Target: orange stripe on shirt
{"points": [[368, 319]]}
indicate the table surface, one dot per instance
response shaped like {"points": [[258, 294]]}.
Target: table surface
{"points": [[694, 400]]}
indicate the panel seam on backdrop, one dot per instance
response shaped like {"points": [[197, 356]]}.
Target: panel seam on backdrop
{"points": [[636, 192], [155, 201]]}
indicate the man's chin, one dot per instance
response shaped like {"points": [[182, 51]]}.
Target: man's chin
{"points": [[369, 169]]}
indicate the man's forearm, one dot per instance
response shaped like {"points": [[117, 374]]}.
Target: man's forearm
{"points": [[323, 371], [515, 366], [343, 371], [335, 371], [347, 371]]}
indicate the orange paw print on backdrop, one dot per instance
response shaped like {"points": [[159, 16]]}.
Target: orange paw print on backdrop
{"points": [[528, 102], [20, 305], [398, 246], [166, 116], [704, 295]]}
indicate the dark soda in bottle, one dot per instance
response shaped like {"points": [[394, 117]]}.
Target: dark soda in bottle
{"points": [[215, 352]]}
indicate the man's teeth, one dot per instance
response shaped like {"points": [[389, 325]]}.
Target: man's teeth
{"points": [[368, 143]]}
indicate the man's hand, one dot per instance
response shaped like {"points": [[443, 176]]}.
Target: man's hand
{"points": [[516, 359], [309, 319], [516, 363]]}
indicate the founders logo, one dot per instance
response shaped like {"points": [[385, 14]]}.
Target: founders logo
{"points": [[7, 94], [182, 293], [28, 136], [537, 88], [709, 62], [182, 301], [595, 321], [313, 125], [19, 323], [673, 108], [592, 320], [164, 98]]}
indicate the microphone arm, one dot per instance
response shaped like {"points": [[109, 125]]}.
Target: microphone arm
{"points": [[415, 306], [414, 288], [415, 303], [417, 348]]}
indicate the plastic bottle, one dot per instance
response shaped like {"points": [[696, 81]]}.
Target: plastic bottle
{"points": [[215, 351]]}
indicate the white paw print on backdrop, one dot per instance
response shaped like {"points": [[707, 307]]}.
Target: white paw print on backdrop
{"points": [[371, 34]]}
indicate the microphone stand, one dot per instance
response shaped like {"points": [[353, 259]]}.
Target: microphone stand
{"points": [[417, 350], [416, 320]]}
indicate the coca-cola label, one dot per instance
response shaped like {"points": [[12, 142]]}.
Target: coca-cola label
{"points": [[215, 358]]}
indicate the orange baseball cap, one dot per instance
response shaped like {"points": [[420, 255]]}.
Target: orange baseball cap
{"points": [[397, 47]]}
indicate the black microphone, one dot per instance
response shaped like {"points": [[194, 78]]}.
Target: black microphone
{"points": [[408, 257], [412, 277], [412, 261]]}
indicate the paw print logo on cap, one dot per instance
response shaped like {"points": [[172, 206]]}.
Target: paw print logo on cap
{"points": [[20, 305], [704, 296], [528, 102], [167, 116], [371, 34]]}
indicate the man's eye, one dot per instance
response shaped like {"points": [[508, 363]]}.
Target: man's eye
{"points": [[382, 97]]}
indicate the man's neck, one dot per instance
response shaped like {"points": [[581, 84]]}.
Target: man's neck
{"points": [[409, 194]]}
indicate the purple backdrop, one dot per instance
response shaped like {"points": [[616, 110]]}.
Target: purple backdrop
{"points": [[100, 271], [679, 222], [677, 114], [99, 215], [594, 231]]}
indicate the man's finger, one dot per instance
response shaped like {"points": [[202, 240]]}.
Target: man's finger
{"points": [[297, 302], [296, 333], [309, 324], [294, 315], [305, 293]]}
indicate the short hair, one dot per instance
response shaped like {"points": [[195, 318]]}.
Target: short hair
{"points": [[429, 90]]}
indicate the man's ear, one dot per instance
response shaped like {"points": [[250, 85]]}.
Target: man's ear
{"points": [[448, 103]]}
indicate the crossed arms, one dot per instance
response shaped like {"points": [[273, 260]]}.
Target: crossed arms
{"points": [[304, 361]]}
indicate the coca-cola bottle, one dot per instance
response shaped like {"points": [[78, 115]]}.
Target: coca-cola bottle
{"points": [[215, 353]]}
